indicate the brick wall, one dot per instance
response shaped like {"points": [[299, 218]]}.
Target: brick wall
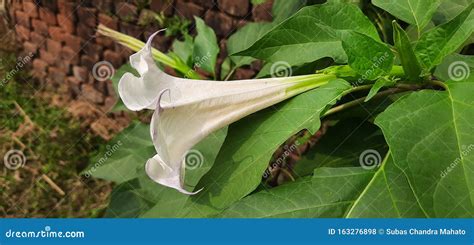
{"points": [[61, 36]]}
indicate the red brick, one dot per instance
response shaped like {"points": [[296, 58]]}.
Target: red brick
{"points": [[88, 61], [165, 6], [74, 42], [22, 32], [188, 9], [30, 9], [109, 21], [29, 47], [53, 47], [50, 58], [40, 26], [80, 73], [74, 85], [221, 23], [66, 8], [69, 55], [105, 41], [91, 94], [87, 16], [208, 4], [47, 16], [56, 33], [238, 8], [56, 75], [131, 30], [92, 48], [64, 66], [85, 32], [38, 39], [39, 68], [114, 58], [40, 65], [67, 23], [104, 6], [22, 18], [126, 11]]}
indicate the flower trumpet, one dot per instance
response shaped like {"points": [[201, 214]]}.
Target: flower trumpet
{"points": [[186, 110]]}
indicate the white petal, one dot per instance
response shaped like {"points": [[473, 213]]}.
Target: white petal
{"points": [[189, 110]]}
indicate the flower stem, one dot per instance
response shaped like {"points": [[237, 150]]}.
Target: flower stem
{"points": [[135, 45]]}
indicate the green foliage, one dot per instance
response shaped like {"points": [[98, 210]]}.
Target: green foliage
{"points": [[398, 120], [366, 56], [292, 42], [442, 40], [205, 47], [407, 56], [415, 12]]}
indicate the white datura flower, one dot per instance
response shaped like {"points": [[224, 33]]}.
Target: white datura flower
{"points": [[186, 111]]}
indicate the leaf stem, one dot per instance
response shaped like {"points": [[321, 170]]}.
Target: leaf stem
{"points": [[361, 101]]}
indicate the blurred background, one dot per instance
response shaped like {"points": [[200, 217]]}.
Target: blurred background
{"points": [[57, 97]]}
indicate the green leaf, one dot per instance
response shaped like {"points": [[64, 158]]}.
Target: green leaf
{"points": [[329, 193], [184, 49], [387, 195], [430, 136], [126, 201], [205, 47], [442, 40], [448, 9], [411, 66], [455, 67], [415, 12], [243, 39], [369, 58], [341, 146], [251, 142], [282, 9], [309, 35], [379, 84], [124, 155]]}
